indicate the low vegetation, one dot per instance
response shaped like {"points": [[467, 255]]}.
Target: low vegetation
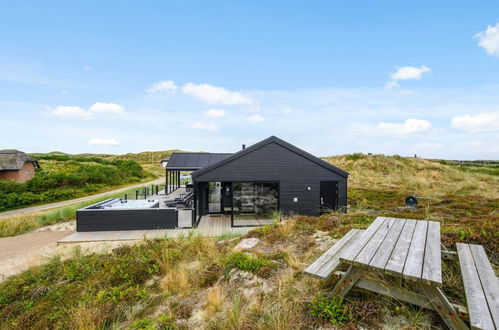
{"points": [[197, 282], [62, 177]]}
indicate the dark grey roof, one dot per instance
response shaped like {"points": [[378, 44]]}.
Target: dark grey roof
{"points": [[272, 139], [14, 160], [190, 161]]}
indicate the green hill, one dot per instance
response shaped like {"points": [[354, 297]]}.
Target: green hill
{"points": [[62, 177]]}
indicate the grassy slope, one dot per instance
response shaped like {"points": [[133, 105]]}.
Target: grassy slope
{"points": [[149, 160], [198, 283]]}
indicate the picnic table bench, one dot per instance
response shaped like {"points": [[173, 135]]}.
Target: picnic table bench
{"points": [[408, 249], [480, 285]]}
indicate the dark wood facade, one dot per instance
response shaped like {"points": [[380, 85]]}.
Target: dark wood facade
{"points": [[298, 173], [132, 219]]}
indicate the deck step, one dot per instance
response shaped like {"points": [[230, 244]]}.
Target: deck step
{"points": [[326, 264], [480, 285]]}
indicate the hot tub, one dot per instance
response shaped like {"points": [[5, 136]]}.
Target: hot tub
{"points": [[117, 214], [117, 203]]}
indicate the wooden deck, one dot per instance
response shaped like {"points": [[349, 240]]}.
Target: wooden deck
{"points": [[209, 226]]}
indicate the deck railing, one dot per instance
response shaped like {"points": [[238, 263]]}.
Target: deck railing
{"points": [[143, 193]]}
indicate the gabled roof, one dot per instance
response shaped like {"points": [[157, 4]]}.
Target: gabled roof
{"points": [[282, 143], [11, 160], [190, 161]]}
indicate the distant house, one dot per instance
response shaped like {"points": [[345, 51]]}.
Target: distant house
{"points": [[16, 165]]}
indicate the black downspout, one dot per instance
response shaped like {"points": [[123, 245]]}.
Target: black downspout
{"points": [[194, 206], [231, 205]]}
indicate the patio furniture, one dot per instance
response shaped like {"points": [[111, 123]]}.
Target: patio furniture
{"points": [[480, 285], [185, 199], [330, 260], [405, 248]]}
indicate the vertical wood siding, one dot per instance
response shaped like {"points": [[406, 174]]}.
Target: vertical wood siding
{"points": [[140, 219], [295, 173]]}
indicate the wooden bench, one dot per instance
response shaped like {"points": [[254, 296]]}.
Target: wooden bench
{"points": [[481, 286], [326, 264]]}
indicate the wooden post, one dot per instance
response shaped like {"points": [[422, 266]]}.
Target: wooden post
{"points": [[399, 293], [443, 307], [348, 281]]}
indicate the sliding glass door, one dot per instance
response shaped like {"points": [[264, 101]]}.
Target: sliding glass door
{"points": [[255, 200]]}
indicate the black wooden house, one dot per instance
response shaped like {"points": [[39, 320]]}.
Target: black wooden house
{"points": [[267, 177]]}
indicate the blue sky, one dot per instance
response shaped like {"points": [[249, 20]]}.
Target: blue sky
{"points": [[331, 77]]}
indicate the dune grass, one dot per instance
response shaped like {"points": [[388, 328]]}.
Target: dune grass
{"points": [[195, 282]]}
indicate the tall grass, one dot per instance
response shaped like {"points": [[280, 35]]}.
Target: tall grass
{"points": [[415, 176]]}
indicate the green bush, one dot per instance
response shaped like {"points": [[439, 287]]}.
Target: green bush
{"points": [[245, 262], [330, 310], [49, 187], [355, 156]]}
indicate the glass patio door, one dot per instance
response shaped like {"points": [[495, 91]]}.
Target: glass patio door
{"points": [[214, 197]]}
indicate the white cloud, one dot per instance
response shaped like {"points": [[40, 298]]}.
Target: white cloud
{"points": [[482, 122], [255, 118], [489, 39], [215, 95], [407, 73], [166, 87], [409, 127], [71, 111], [88, 68], [103, 142], [205, 126], [107, 108], [99, 107], [214, 113], [64, 92]]}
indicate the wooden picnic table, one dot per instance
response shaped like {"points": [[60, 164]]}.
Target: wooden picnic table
{"points": [[406, 248]]}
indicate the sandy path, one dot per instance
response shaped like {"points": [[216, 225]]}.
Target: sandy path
{"points": [[19, 253], [76, 200]]}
